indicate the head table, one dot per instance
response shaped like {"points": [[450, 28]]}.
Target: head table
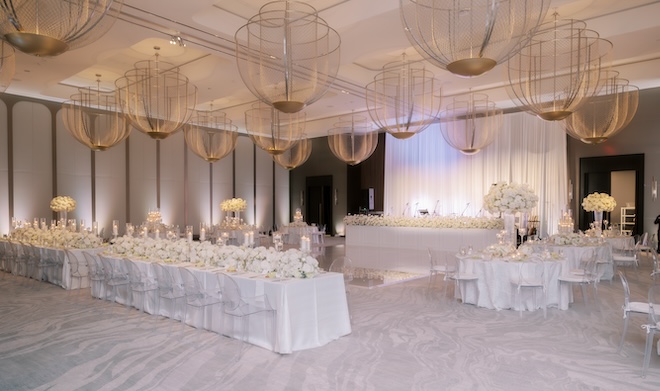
{"points": [[311, 312]]}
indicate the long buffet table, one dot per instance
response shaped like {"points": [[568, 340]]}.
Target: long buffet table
{"points": [[405, 248], [311, 312]]}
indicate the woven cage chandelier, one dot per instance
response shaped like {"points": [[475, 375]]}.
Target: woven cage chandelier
{"points": [[560, 67], [403, 100], [471, 123], [605, 114], [93, 118], [157, 98], [7, 65], [287, 55], [295, 156], [470, 37], [352, 140], [272, 130], [210, 135], [51, 27]]}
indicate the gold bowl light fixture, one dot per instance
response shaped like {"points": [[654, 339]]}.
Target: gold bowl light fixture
{"points": [[561, 66], [157, 98], [51, 27], [470, 37], [272, 130], [352, 140], [210, 135], [471, 123], [605, 114], [287, 55], [403, 99], [295, 156], [93, 118]]}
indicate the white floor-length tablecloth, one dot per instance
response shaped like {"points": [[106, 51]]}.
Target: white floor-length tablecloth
{"points": [[494, 288], [310, 312]]}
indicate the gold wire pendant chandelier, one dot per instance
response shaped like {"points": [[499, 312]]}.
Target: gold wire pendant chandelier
{"points": [[605, 114], [287, 55], [210, 135], [560, 67], [51, 27], [92, 117], [403, 100], [352, 140], [7, 65], [471, 123], [157, 98], [272, 130], [295, 156], [470, 37]]}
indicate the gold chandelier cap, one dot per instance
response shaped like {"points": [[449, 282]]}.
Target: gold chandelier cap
{"points": [[469, 67], [37, 44]]}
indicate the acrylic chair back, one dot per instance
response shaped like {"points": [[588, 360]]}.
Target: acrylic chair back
{"points": [[343, 265], [231, 293]]}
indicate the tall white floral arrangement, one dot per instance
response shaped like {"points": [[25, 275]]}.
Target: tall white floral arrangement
{"points": [[233, 205], [510, 198], [62, 203], [598, 202]]}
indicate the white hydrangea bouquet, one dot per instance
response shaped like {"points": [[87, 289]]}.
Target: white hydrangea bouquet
{"points": [[510, 198], [62, 204], [596, 202], [233, 205]]}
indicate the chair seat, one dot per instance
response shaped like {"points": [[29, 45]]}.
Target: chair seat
{"points": [[465, 277], [574, 278], [637, 306], [530, 283], [623, 258], [442, 269]]}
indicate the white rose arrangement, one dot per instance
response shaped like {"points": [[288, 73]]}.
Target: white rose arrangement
{"points": [[568, 239], [62, 203], [424, 222], [233, 205], [598, 202], [510, 198], [290, 264], [57, 238]]}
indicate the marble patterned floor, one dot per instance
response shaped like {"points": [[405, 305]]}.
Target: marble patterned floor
{"points": [[405, 337]]}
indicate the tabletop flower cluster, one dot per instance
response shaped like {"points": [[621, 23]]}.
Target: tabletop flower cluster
{"points": [[57, 238], [62, 203], [510, 198], [568, 239], [598, 202], [424, 222], [233, 205], [292, 263]]}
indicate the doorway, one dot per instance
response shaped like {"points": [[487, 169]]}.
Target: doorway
{"points": [[318, 203], [622, 177]]}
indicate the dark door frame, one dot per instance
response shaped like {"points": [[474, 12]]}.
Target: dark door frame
{"points": [[602, 164]]}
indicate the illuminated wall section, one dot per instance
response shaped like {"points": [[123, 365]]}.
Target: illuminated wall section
{"points": [[244, 172], [5, 218]]}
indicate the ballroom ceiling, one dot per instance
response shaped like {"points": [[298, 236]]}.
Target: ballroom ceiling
{"points": [[371, 36]]}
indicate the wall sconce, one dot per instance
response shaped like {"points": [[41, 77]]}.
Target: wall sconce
{"points": [[570, 190], [302, 197], [654, 188], [336, 198]]}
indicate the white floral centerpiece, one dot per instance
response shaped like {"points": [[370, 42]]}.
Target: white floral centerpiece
{"points": [[57, 238], [62, 204], [426, 222], [568, 239], [233, 205], [510, 198], [598, 202]]}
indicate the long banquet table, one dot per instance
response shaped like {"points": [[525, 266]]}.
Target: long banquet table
{"points": [[310, 312], [405, 248], [494, 288]]}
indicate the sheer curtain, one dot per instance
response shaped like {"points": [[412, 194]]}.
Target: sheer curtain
{"points": [[424, 172]]}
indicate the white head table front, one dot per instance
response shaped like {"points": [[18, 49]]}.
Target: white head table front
{"points": [[311, 312]]}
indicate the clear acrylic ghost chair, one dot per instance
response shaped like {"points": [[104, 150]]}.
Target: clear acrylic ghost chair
{"points": [[462, 277], [344, 265], [58, 266], [142, 286], [584, 276], [530, 276], [78, 270], [20, 259], [198, 298], [655, 262], [116, 277], [35, 266], [96, 275], [239, 309], [3, 255], [630, 307], [627, 257], [438, 265], [653, 325], [10, 257], [169, 290]]}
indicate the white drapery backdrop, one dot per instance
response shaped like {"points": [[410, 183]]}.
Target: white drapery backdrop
{"points": [[424, 172]]}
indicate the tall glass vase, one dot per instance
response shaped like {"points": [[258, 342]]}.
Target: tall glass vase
{"points": [[598, 222], [63, 219], [510, 228]]}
